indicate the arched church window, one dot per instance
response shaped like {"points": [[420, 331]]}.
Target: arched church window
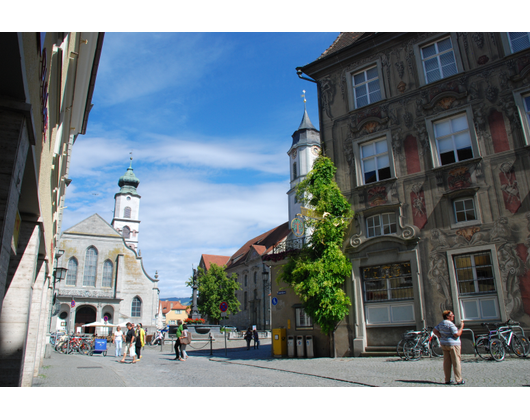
{"points": [[136, 308], [91, 265], [126, 232], [71, 274], [127, 212], [107, 274]]}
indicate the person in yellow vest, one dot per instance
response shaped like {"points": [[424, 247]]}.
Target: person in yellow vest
{"points": [[140, 340]]}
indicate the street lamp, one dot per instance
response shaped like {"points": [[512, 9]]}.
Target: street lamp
{"points": [[265, 278]]}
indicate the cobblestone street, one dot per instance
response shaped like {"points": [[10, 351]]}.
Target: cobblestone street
{"points": [[256, 368]]}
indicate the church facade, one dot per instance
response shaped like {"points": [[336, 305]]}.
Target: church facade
{"points": [[106, 280]]}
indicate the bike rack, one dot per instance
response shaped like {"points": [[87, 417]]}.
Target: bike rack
{"points": [[473, 336]]}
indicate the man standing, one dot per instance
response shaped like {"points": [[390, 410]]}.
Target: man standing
{"points": [[178, 333], [129, 342], [450, 341]]}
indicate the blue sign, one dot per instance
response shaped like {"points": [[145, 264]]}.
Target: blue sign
{"points": [[282, 292], [274, 301], [223, 306]]}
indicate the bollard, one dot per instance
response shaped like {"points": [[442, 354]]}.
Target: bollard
{"points": [[161, 344], [211, 344]]}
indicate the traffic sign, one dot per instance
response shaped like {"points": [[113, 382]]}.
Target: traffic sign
{"points": [[223, 306], [274, 301], [72, 303]]}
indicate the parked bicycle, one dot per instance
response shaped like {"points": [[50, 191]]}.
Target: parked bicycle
{"points": [[416, 344], [500, 338], [75, 343]]}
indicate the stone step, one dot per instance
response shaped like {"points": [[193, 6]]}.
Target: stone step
{"points": [[379, 351]]}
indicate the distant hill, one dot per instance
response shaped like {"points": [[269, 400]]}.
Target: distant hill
{"points": [[185, 301]]}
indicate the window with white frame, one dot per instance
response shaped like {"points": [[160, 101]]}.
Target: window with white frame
{"points": [[126, 232], [475, 280], [381, 224], [295, 175], [366, 89], [519, 41], [71, 274], [438, 60], [387, 282], [302, 319], [453, 139], [464, 210], [91, 264], [107, 274], [127, 212], [136, 307], [375, 161]]}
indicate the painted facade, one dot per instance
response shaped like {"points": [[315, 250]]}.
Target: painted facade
{"points": [[430, 135]]}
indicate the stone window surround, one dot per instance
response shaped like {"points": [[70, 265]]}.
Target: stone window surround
{"points": [[349, 83], [383, 257], [380, 135], [519, 94], [419, 63], [429, 123], [506, 45], [454, 286]]}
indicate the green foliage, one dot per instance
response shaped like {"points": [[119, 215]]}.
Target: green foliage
{"points": [[214, 287], [318, 272]]}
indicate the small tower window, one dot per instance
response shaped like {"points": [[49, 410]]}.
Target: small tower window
{"points": [[294, 171], [127, 212], [126, 233]]}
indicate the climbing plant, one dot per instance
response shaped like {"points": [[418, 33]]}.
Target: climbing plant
{"points": [[318, 272]]}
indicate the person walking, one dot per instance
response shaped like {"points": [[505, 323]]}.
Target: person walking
{"points": [[130, 338], [140, 340], [248, 337], [256, 339], [184, 341], [451, 345], [117, 340], [178, 334]]}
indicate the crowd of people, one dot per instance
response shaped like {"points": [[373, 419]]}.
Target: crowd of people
{"points": [[134, 341]]}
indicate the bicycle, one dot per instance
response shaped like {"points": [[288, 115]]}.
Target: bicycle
{"points": [[500, 338], [506, 339], [421, 343]]}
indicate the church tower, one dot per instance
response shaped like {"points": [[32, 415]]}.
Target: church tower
{"points": [[303, 152], [126, 218]]}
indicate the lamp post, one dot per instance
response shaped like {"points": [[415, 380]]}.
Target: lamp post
{"points": [[265, 278]]}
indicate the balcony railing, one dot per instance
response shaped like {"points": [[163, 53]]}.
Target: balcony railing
{"points": [[291, 245]]}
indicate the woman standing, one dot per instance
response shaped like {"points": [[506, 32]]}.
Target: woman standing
{"points": [[184, 342], [248, 337], [118, 340]]}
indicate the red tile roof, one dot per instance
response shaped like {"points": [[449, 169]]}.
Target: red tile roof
{"points": [[261, 244], [219, 260], [166, 305], [345, 39]]}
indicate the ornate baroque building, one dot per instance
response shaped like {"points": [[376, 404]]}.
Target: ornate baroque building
{"points": [[431, 137]]}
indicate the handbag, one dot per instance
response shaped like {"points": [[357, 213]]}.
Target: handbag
{"points": [[185, 340]]}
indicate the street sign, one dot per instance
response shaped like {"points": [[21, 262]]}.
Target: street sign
{"points": [[72, 303], [282, 292], [223, 306], [274, 301], [223, 315]]}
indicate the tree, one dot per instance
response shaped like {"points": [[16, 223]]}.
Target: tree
{"points": [[214, 287], [318, 272]]}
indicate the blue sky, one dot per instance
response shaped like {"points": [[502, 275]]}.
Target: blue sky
{"points": [[208, 118]]}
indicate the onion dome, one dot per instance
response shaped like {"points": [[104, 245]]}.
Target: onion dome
{"points": [[129, 181]]}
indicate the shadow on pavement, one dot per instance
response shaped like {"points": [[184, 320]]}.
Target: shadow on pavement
{"points": [[415, 381]]}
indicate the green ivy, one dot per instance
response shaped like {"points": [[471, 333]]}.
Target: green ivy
{"points": [[318, 272]]}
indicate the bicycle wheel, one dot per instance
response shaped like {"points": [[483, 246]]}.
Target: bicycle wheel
{"points": [[517, 346], [435, 347], [84, 348], [411, 350], [399, 348], [526, 344], [482, 347], [497, 350]]}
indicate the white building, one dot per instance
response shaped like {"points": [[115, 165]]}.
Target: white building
{"points": [[106, 279]]}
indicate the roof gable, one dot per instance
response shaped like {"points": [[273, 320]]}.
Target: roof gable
{"points": [[93, 225], [208, 260]]}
